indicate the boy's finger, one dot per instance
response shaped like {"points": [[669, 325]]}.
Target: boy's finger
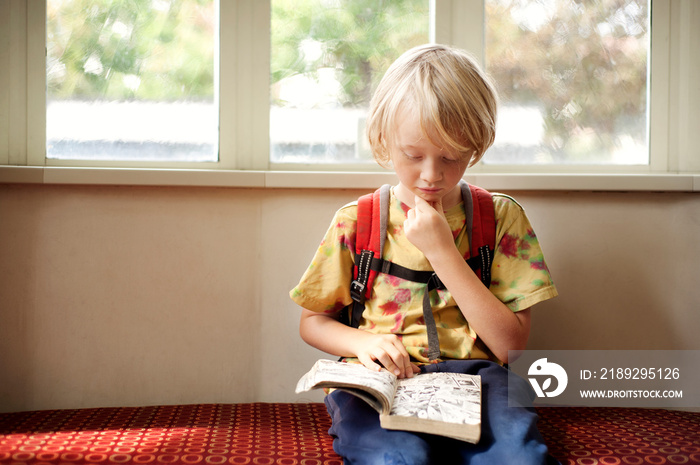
{"points": [[409, 369], [369, 363], [437, 205], [388, 363], [420, 201], [397, 361], [404, 357]]}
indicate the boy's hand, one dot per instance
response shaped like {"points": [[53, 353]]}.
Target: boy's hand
{"points": [[325, 332], [389, 351], [426, 227]]}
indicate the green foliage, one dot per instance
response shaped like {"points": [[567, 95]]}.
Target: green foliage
{"points": [[131, 49], [164, 50], [585, 67], [358, 38]]}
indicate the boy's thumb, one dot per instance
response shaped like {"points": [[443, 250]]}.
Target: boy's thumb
{"points": [[437, 205]]}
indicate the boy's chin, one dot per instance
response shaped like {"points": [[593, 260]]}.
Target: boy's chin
{"points": [[448, 198], [430, 198]]}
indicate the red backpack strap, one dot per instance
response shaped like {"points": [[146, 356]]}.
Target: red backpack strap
{"points": [[372, 214], [481, 229]]}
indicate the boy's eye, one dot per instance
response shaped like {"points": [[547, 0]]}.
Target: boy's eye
{"points": [[411, 157], [450, 160]]}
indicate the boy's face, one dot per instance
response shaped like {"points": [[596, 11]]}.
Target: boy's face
{"points": [[424, 169]]}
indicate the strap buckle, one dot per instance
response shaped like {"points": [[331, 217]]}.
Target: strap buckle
{"points": [[359, 285], [435, 283], [357, 291]]}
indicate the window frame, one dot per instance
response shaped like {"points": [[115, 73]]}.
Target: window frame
{"points": [[472, 37], [244, 102]]}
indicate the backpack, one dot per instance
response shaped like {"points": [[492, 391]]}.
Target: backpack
{"points": [[372, 216]]}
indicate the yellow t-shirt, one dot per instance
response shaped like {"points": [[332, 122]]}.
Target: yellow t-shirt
{"points": [[519, 278]]}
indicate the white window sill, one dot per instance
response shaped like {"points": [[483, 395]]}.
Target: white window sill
{"points": [[339, 180]]}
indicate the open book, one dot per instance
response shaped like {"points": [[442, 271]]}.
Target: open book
{"points": [[446, 404]]}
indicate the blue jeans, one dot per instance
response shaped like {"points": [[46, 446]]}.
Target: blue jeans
{"points": [[509, 435]]}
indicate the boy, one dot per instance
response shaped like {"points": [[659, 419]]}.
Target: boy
{"points": [[432, 116]]}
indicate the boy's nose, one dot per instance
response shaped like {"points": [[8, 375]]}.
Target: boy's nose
{"points": [[430, 171]]}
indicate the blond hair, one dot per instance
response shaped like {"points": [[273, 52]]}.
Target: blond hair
{"points": [[455, 100]]}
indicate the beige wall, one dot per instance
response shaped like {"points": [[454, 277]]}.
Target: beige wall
{"points": [[157, 295]]}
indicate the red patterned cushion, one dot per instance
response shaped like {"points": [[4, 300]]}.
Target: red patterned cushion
{"points": [[191, 434], [627, 436], [297, 434]]}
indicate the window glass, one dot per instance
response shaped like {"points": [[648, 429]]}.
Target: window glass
{"points": [[572, 77], [327, 57], [132, 80]]}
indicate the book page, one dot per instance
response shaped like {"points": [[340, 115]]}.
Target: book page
{"points": [[444, 397], [329, 373]]}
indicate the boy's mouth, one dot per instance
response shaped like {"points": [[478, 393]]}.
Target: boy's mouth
{"points": [[430, 190]]}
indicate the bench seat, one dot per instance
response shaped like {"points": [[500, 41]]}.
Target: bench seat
{"points": [[296, 433]]}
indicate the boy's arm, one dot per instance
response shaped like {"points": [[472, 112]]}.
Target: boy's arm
{"points": [[326, 333], [500, 328]]}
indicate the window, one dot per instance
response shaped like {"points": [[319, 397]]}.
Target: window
{"points": [[244, 118], [326, 59], [578, 96], [131, 80], [572, 78]]}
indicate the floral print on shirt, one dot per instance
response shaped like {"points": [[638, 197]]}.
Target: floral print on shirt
{"points": [[520, 278]]}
